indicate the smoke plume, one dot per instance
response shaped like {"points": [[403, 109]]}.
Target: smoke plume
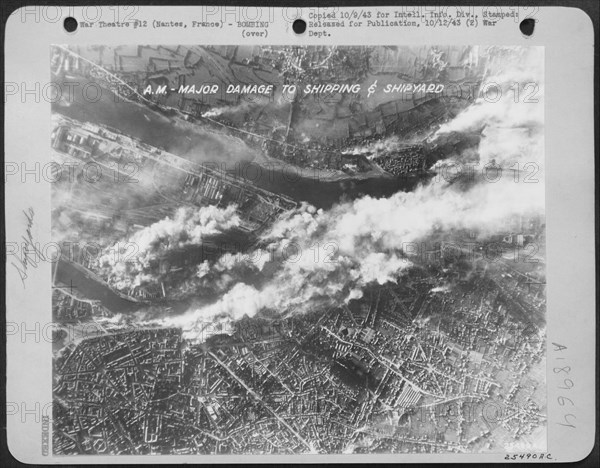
{"points": [[319, 257], [378, 148], [127, 263]]}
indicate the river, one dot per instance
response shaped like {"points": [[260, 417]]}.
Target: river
{"points": [[206, 146]]}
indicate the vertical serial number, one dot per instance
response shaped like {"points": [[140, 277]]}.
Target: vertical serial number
{"points": [[562, 371]]}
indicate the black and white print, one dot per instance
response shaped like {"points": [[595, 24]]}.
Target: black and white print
{"points": [[298, 249]]}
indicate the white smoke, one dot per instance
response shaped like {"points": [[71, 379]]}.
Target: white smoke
{"points": [[236, 109], [250, 103], [218, 317], [127, 263], [337, 253], [378, 148], [328, 257], [509, 108]]}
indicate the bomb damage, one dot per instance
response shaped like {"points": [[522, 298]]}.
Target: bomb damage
{"points": [[354, 265]]}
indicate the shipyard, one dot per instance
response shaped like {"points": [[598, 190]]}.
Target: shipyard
{"points": [[294, 276]]}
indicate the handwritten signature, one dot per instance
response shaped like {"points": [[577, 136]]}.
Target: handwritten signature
{"points": [[31, 256]]}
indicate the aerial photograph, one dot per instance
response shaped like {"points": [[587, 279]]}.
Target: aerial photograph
{"points": [[298, 249]]}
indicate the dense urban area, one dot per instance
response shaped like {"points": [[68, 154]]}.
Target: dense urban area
{"points": [[161, 197]]}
